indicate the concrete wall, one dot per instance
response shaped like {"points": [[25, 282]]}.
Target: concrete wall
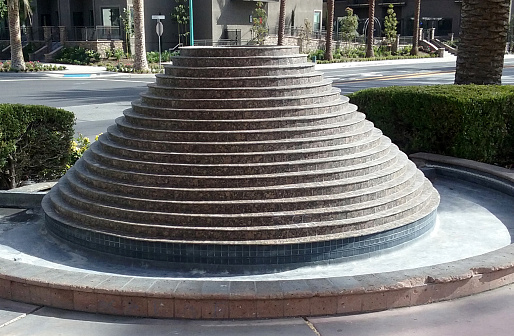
{"points": [[213, 17], [100, 46], [169, 37], [202, 19], [232, 15], [297, 11]]}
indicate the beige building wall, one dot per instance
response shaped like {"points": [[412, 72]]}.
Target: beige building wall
{"points": [[213, 18]]}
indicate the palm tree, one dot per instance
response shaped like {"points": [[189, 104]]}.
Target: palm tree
{"points": [[483, 37], [330, 30], [13, 14], [371, 29], [415, 33], [281, 22], [140, 62]]}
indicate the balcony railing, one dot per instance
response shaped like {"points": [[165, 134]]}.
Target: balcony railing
{"points": [[27, 33], [94, 33]]}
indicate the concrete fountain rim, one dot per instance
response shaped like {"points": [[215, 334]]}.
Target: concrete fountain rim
{"points": [[236, 299]]}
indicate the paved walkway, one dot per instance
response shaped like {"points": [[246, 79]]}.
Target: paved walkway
{"points": [[490, 313], [92, 71]]}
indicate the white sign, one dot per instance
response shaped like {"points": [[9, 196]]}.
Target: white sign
{"points": [[159, 28], [158, 17]]}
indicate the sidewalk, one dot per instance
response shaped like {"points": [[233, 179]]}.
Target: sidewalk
{"points": [[92, 71], [447, 58], [86, 71]]}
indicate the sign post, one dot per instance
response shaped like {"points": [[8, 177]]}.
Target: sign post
{"points": [[159, 29], [191, 32]]}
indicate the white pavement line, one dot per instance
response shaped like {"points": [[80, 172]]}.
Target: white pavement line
{"points": [[13, 320], [24, 79], [311, 326], [20, 317], [125, 80]]}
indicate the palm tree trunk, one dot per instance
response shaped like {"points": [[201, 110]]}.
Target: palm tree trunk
{"points": [[13, 12], [330, 30], [415, 32], [140, 62], [281, 22], [371, 29], [483, 37]]}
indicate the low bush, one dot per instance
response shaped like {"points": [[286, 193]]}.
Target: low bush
{"points": [[467, 121], [35, 143], [31, 67], [129, 68], [153, 56], [358, 54], [77, 56]]}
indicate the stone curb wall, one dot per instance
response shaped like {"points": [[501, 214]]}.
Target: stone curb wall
{"points": [[197, 299]]}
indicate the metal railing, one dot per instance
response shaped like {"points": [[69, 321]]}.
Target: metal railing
{"points": [[298, 31], [220, 42], [232, 35], [26, 33], [94, 33]]}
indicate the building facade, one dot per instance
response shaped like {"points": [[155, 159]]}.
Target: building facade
{"points": [[443, 15], [215, 21], [226, 19]]}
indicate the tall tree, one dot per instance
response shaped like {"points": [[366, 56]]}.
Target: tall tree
{"points": [[330, 30], [371, 29], [281, 22], [140, 62], [483, 37], [180, 15], [259, 23], [415, 32], [13, 16], [348, 25], [390, 23]]}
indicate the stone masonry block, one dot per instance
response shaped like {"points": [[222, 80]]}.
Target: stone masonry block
{"points": [[85, 301], [5, 289], [161, 307]]}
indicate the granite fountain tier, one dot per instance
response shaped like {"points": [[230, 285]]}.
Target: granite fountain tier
{"points": [[242, 156]]}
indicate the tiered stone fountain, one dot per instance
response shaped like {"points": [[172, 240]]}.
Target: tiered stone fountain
{"points": [[242, 156]]}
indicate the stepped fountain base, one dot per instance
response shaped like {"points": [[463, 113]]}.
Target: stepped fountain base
{"points": [[242, 156]]}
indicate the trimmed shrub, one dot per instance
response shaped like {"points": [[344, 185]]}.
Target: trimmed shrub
{"points": [[77, 56], [153, 56], [475, 122], [35, 143]]}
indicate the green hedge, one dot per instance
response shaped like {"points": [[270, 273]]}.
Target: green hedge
{"points": [[35, 143], [466, 121]]}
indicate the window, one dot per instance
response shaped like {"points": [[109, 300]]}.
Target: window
{"points": [[444, 26], [317, 21], [78, 19], [111, 17]]}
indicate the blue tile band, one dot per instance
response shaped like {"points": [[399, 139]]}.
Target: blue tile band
{"points": [[211, 254]]}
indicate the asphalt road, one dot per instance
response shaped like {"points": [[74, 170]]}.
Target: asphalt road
{"points": [[98, 100]]}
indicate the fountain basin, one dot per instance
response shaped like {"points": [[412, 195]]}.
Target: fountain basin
{"points": [[47, 272]]}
